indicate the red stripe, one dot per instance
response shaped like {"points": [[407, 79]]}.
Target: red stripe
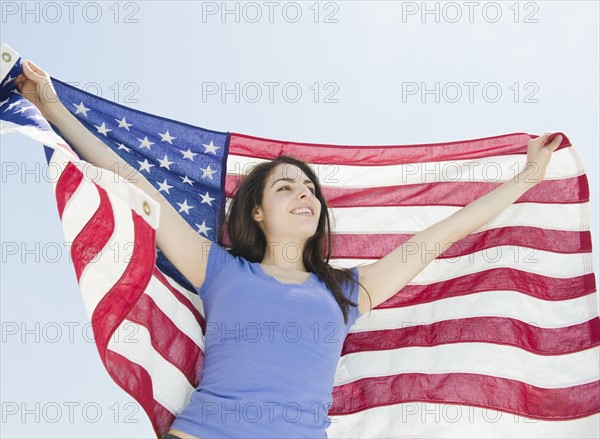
{"points": [[114, 306], [166, 338], [362, 155], [497, 330], [136, 381], [468, 389], [181, 298], [67, 184], [535, 285], [375, 246], [568, 190], [94, 236]]}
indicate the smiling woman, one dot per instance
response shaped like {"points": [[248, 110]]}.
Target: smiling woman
{"points": [[275, 285]]}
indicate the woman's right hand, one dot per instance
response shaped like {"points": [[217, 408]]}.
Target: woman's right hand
{"points": [[35, 85]]}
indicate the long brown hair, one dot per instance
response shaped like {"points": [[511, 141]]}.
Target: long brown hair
{"points": [[248, 240]]}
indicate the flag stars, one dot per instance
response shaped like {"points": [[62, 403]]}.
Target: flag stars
{"points": [[164, 186], [188, 154], [123, 124], [102, 129], [145, 165], [185, 207], [211, 148], [10, 78], [81, 109], [187, 180], [22, 109], [145, 143], [166, 137], [164, 162], [203, 229], [206, 199], [207, 172], [11, 106], [121, 146]]}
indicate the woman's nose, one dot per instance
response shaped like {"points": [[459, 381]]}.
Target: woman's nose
{"points": [[305, 192]]}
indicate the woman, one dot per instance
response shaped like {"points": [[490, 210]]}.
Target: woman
{"points": [[277, 273]]}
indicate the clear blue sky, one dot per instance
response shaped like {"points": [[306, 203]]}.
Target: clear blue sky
{"points": [[162, 57]]}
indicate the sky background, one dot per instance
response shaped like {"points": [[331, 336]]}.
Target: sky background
{"points": [[160, 58]]}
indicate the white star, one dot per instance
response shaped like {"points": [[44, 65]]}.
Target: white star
{"points": [[145, 165], [121, 146], [211, 148], [207, 172], [10, 78], [206, 199], [36, 117], [123, 124], [187, 180], [166, 137], [203, 229], [4, 102], [22, 109], [81, 109], [164, 163], [185, 207], [188, 154], [164, 186], [102, 129], [145, 143], [10, 107]]}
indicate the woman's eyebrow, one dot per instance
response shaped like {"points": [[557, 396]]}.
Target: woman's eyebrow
{"points": [[291, 180]]}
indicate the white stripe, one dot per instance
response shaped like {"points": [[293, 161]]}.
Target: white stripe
{"points": [[105, 270], [508, 304], [491, 169], [192, 297], [448, 420], [79, 209], [177, 312], [170, 387], [413, 219], [548, 371], [48, 138], [557, 265]]}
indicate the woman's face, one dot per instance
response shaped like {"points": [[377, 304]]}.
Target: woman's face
{"points": [[288, 188]]}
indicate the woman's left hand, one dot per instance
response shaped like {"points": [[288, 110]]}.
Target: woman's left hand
{"points": [[538, 156]]}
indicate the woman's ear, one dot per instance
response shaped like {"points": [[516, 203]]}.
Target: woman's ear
{"points": [[256, 214]]}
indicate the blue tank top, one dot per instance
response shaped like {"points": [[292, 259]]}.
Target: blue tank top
{"points": [[271, 353]]}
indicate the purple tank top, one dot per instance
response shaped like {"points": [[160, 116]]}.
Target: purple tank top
{"points": [[271, 353]]}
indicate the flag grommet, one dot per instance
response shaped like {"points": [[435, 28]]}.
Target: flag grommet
{"points": [[6, 57], [146, 208]]}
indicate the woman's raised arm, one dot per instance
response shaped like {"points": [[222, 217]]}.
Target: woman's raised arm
{"points": [[186, 249], [394, 271]]}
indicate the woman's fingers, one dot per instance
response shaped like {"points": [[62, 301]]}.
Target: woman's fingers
{"points": [[32, 71]]}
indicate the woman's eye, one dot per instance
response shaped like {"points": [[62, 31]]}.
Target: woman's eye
{"points": [[287, 187]]}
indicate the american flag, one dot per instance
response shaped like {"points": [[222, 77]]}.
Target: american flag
{"points": [[498, 337]]}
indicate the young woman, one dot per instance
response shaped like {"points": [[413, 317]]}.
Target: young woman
{"points": [[277, 313]]}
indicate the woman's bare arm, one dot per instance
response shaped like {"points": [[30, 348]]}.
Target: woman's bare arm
{"points": [[186, 249], [385, 277]]}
